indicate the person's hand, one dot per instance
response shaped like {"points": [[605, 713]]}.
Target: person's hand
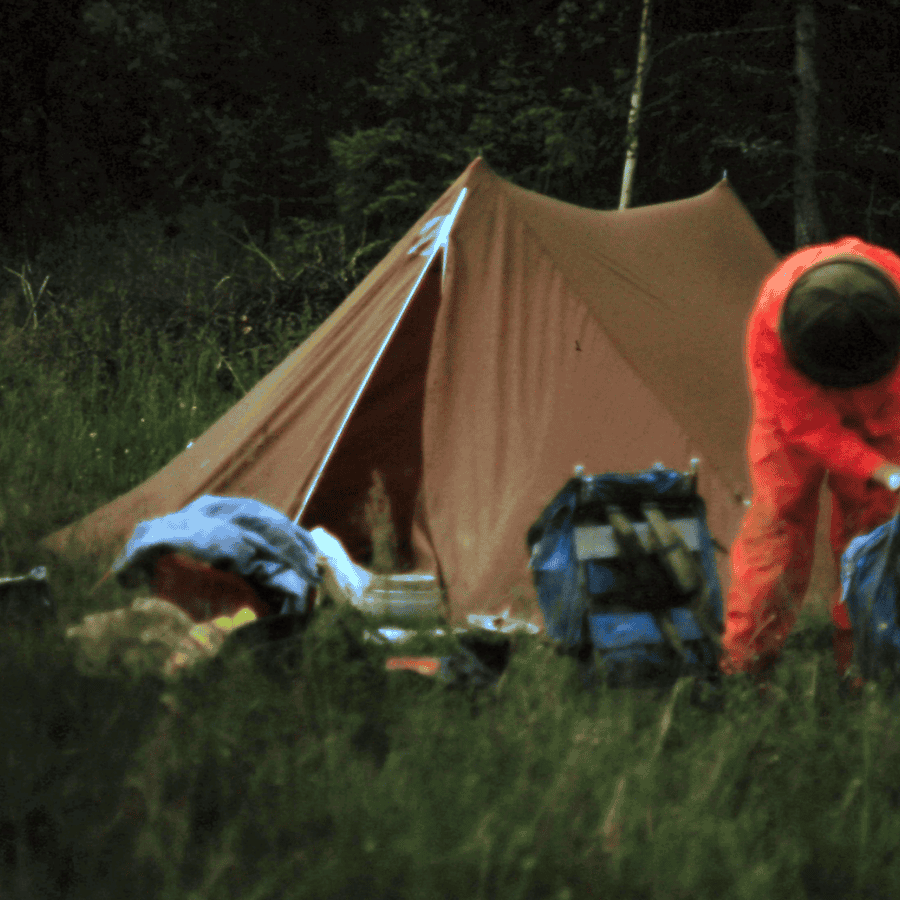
{"points": [[883, 476]]}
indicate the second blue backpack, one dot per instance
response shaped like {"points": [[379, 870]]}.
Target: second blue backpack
{"points": [[870, 583]]}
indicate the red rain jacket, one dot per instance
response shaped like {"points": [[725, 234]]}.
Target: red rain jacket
{"points": [[788, 408]]}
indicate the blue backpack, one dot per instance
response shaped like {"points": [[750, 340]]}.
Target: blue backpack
{"points": [[870, 581], [626, 577]]}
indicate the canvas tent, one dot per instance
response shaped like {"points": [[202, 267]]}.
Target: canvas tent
{"points": [[505, 339]]}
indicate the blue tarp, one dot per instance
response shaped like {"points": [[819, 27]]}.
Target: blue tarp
{"points": [[622, 637], [230, 533], [870, 584]]}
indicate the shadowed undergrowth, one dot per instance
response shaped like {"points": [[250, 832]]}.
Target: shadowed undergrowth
{"points": [[337, 777]]}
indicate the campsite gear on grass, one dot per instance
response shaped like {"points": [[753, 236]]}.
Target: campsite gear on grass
{"points": [[26, 599], [624, 564], [235, 534], [205, 639], [137, 638], [342, 579], [870, 593], [461, 670], [483, 626], [504, 336], [405, 596], [151, 635], [390, 634], [502, 624], [430, 666], [478, 663], [477, 658], [402, 595], [804, 435], [492, 650], [202, 591]]}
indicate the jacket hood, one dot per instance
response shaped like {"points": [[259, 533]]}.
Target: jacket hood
{"points": [[840, 313]]}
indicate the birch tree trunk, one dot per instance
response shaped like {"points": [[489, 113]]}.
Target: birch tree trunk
{"points": [[808, 225], [634, 113]]}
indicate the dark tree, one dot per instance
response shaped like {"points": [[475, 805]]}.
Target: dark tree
{"points": [[808, 225]]}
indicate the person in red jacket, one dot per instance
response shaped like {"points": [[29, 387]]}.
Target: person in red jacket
{"points": [[823, 347]]}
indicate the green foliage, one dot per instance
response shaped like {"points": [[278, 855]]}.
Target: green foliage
{"points": [[508, 90], [365, 113], [168, 332], [96, 287], [341, 778], [118, 105]]}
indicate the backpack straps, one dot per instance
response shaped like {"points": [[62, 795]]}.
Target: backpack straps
{"points": [[637, 553], [684, 569], [664, 623]]}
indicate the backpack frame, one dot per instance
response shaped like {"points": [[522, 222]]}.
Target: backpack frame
{"points": [[625, 573]]}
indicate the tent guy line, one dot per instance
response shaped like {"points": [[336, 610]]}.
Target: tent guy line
{"points": [[440, 244]]}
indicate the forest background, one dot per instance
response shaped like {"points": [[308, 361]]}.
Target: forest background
{"points": [[360, 114]]}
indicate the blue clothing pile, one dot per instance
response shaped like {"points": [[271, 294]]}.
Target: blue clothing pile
{"points": [[230, 533]]}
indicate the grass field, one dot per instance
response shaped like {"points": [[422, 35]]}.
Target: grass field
{"points": [[337, 779]]}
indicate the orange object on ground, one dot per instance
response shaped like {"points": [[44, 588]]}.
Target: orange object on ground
{"points": [[424, 665], [202, 591], [801, 433]]}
